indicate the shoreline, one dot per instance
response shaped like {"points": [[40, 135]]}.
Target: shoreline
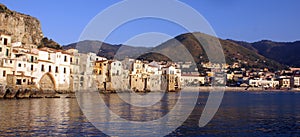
{"points": [[25, 94], [239, 89]]}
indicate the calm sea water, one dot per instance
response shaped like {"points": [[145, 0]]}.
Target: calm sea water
{"points": [[240, 114]]}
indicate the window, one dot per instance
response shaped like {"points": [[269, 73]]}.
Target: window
{"points": [[65, 70], [31, 58], [19, 65], [42, 68], [71, 60], [99, 72], [4, 73], [5, 41], [19, 82], [49, 68], [7, 52], [49, 57], [31, 68], [10, 61], [0, 49], [24, 80], [65, 59], [56, 69]]}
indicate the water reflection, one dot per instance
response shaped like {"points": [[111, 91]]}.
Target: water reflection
{"points": [[42, 117], [137, 113], [115, 117], [240, 114]]}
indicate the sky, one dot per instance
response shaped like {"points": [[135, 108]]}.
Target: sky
{"points": [[244, 20]]}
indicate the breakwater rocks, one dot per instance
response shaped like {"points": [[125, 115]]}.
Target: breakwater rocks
{"points": [[11, 93]]}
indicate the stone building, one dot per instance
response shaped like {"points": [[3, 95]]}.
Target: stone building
{"points": [[154, 76], [171, 78], [86, 65], [101, 74], [110, 75], [138, 78]]}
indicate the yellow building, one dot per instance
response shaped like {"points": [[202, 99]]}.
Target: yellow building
{"points": [[100, 72]]}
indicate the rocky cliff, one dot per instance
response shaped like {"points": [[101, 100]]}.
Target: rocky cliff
{"points": [[21, 27]]}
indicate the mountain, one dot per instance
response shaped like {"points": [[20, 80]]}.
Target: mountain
{"points": [[23, 28], [283, 52], [107, 50], [233, 52], [176, 49]]}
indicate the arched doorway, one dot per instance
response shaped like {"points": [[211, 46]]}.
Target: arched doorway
{"points": [[47, 82]]}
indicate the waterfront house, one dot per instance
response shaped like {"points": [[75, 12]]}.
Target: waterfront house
{"points": [[192, 80], [138, 78], [286, 82], [87, 79], [6, 64], [154, 75], [297, 81], [170, 78], [264, 83], [74, 69]]}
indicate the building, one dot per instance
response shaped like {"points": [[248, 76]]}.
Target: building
{"points": [[286, 82], [170, 78], [154, 75], [192, 80], [87, 78], [46, 69], [297, 81], [138, 78], [74, 69], [264, 83], [110, 76]]}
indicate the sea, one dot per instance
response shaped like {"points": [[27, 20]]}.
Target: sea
{"points": [[259, 113]]}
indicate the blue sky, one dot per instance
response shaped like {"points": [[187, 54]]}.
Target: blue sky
{"points": [[246, 20]]}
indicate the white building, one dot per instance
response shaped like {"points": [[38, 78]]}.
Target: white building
{"points": [[263, 83], [192, 80], [297, 81]]}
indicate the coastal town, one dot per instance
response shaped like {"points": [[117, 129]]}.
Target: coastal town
{"points": [[25, 66]]}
